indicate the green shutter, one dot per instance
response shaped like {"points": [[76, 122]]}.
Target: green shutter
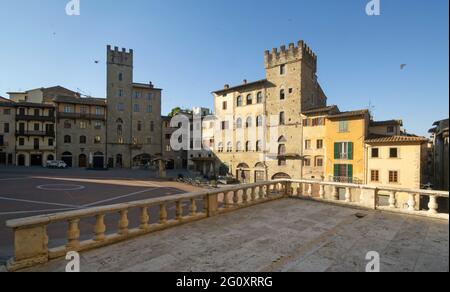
{"points": [[350, 171], [350, 151], [336, 151], [336, 170]]}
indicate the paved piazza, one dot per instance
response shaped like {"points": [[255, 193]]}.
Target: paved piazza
{"points": [[285, 235], [26, 192]]}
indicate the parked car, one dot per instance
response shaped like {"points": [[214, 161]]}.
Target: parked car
{"points": [[56, 164]]}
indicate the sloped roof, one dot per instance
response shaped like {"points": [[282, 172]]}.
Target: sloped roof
{"points": [[80, 100], [241, 86], [319, 110], [396, 139], [349, 114], [387, 123]]}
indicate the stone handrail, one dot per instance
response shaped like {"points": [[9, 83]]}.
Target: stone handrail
{"points": [[31, 238], [369, 197]]}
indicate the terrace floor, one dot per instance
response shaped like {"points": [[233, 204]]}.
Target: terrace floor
{"points": [[285, 235]]}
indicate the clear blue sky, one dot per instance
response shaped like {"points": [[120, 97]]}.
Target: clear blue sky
{"points": [[192, 47]]}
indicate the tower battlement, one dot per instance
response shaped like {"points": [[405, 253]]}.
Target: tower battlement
{"points": [[119, 57], [292, 53]]}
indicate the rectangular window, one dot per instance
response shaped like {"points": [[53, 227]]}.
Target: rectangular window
{"points": [[390, 130], [83, 109], [2, 141], [149, 108], [83, 125], [120, 107], [306, 122], [393, 177], [136, 108], [281, 162], [374, 176], [320, 144], [225, 125], [98, 125], [343, 173], [282, 69], [393, 152], [308, 144], [307, 162], [36, 127], [137, 94], [6, 128], [343, 150], [150, 96], [50, 142], [21, 141], [68, 109], [224, 105], [375, 153], [98, 111], [343, 126], [120, 92], [152, 126], [36, 113], [319, 162], [97, 140], [7, 111]]}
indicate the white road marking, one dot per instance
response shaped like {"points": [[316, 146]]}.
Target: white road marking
{"points": [[38, 202], [36, 211], [118, 197], [61, 188]]}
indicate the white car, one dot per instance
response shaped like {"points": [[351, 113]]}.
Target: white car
{"points": [[56, 164]]}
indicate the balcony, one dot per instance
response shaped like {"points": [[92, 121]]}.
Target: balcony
{"points": [[310, 236], [35, 148], [40, 118], [36, 133], [80, 116]]}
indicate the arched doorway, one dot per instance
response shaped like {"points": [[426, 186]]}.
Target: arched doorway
{"points": [[67, 158], [281, 175], [119, 161], [243, 173], [99, 160], [21, 160], [260, 172], [82, 160]]}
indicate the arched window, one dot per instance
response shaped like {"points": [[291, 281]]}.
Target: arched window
{"points": [[239, 123], [282, 94], [248, 146], [248, 123], [259, 97], [67, 139], [282, 118], [281, 149], [239, 101], [249, 99], [119, 130], [82, 139], [220, 147], [238, 147], [282, 139], [259, 121], [230, 147], [259, 145]]}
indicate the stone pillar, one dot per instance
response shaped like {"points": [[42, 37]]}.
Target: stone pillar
{"points": [[212, 204]]}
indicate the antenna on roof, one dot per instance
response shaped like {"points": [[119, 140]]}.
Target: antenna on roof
{"points": [[83, 93], [371, 108]]}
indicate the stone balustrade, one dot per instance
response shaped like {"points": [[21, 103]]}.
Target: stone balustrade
{"points": [[31, 240]]}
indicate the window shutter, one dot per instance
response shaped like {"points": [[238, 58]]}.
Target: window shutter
{"points": [[336, 151], [350, 171], [350, 151], [336, 170]]}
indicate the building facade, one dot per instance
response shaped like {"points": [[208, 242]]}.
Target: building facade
{"points": [[7, 132], [260, 122], [440, 160], [81, 131], [134, 114]]}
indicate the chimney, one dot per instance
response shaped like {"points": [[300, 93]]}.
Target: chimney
{"points": [[245, 81], [151, 84], [226, 86]]}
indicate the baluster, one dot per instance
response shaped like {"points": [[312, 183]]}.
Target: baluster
{"points": [[392, 200], [299, 190], [144, 218], [433, 205], [245, 196], [310, 190], [100, 227], [411, 202], [253, 194], [335, 193], [348, 195], [73, 234], [193, 209], [236, 197], [123, 222], [226, 200], [179, 211], [261, 192], [322, 192], [162, 214]]}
